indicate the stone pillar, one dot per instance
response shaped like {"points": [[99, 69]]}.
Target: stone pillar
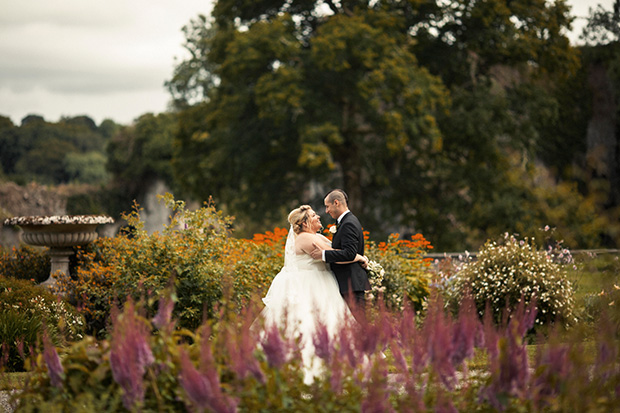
{"points": [[60, 264]]}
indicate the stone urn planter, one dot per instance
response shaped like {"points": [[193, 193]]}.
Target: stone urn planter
{"points": [[60, 233]]}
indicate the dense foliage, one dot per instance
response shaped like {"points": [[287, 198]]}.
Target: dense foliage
{"points": [[435, 117], [26, 312], [25, 263], [197, 256], [458, 120], [71, 150]]}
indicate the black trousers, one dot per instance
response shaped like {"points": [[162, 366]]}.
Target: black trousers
{"points": [[357, 298]]}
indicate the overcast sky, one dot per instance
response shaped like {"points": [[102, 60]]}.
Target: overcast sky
{"points": [[104, 59]]}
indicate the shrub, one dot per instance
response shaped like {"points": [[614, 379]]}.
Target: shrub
{"points": [[25, 263], [196, 253], [505, 273], [25, 311], [606, 303], [407, 277]]}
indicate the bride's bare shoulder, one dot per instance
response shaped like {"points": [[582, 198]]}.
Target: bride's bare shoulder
{"points": [[306, 238]]}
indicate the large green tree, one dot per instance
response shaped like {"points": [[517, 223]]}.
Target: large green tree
{"points": [[302, 97], [137, 156], [421, 110], [54, 153], [510, 70]]}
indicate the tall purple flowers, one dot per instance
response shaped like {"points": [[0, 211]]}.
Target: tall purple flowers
{"points": [[274, 346], [52, 361], [130, 354], [508, 356], [203, 387], [163, 318]]}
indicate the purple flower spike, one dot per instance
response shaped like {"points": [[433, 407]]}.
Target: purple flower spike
{"points": [[204, 391], [399, 359], [163, 318], [444, 404], [274, 347], [508, 358], [491, 336], [196, 386], [346, 349], [130, 354], [321, 341], [466, 333], [241, 347], [377, 398], [335, 380], [553, 369], [52, 361], [439, 334]]}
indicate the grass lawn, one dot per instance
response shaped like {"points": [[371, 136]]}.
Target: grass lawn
{"points": [[594, 274]]}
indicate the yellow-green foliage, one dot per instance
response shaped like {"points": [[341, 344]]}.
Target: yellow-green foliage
{"points": [[195, 252]]}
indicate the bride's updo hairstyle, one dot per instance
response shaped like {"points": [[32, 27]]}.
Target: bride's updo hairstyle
{"points": [[298, 217]]}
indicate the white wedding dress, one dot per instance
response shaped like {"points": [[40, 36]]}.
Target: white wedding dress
{"points": [[302, 295]]}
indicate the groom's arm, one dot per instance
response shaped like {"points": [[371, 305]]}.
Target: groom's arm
{"points": [[349, 241]]}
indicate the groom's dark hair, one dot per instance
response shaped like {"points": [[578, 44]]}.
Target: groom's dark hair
{"points": [[338, 194]]}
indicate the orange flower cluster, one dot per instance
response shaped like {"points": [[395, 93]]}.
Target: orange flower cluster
{"points": [[417, 242], [271, 238]]}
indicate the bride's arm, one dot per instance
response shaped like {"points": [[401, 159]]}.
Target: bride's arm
{"points": [[326, 244]]}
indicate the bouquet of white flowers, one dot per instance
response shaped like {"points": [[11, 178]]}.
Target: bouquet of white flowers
{"points": [[375, 278]]}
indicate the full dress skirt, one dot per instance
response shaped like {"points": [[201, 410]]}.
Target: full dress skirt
{"points": [[300, 297]]}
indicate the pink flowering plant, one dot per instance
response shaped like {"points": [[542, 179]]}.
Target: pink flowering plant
{"points": [[385, 361]]}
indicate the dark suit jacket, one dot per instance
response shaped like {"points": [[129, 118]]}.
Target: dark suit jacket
{"points": [[348, 241]]}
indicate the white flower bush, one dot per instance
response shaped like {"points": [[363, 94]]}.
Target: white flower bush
{"points": [[58, 315], [504, 273]]}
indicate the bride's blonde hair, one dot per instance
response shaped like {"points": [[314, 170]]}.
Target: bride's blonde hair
{"points": [[298, 216]]}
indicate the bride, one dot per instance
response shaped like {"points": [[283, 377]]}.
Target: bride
{"points": [[305, 291]]}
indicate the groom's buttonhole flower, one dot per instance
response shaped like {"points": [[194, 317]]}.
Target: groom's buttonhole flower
{"points": [[333, 229]]}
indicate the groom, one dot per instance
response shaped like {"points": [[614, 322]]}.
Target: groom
{"points": [[348, 241]]}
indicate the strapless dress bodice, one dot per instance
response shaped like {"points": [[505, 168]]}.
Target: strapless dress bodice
{"points": [[306, 262]]}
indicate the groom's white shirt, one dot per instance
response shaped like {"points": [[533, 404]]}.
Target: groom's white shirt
{"points": [[338, 222]]}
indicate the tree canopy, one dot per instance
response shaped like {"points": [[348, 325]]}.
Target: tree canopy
{"points": [[419, 109], [71, 150], [434, 116]]}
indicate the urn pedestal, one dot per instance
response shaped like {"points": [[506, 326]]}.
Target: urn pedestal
{"points": [[60, 234]]}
